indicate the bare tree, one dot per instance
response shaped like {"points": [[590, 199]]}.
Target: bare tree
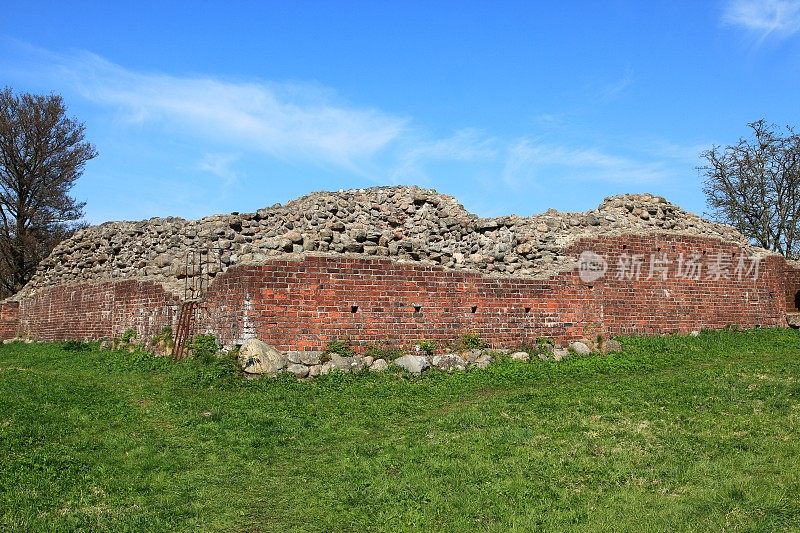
{"points": [[42, 154], [754, 186]]}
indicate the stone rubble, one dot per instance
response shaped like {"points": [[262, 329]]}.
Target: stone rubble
{"points": [[258, 358], [400, 223]]}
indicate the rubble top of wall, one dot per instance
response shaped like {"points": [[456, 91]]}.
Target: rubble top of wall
{"points": [[401, 223]]}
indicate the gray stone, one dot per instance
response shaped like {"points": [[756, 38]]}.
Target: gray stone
{"points": [[560, 353], [314, 371], [415, 364], [341, 363], [258, 357], [470, 356], [612, 346], [299, 371], [378, 365], [305, 358], [580, 348], [483, 360], [448, 362], [694, 333], [521, 356]]}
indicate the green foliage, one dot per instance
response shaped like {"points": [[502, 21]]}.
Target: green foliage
{"points": [[428, 347], [128, 336], [674, 434], [76, 346], [380, 351], [470, 341], [338, 347], [204, 348]]}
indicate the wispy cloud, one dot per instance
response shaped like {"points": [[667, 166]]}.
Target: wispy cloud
{"points": [[614, 89], [285, 121], [764, 18], [533, 162], [305, 124], [219, 165]]}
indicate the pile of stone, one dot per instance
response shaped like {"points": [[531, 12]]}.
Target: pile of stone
{"points": [[401, 223], [256, 357]]}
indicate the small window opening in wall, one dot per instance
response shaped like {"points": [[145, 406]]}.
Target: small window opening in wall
{"points": [[473, 309], [417, 308], [624, 246], [353, 308], [527, 310], [797, 300]]}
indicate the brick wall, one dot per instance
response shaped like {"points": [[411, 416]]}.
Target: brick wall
{"points": [[304, 303], [726, 289], [97, 310], [9, 320], [793, 289]]}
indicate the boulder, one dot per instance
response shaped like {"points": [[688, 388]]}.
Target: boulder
{"points": [[521, 356], [378, 365], [560, 353], [304, 358], [470, 356], [448, 362], [483, 360], [342, 363], [612, 346], [258, 357], [580, 348], [415, 364], [299, 371]]}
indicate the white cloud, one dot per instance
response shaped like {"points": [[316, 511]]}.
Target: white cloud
{"points": [[305, 125], [764, 18], [219, 165], [532, 162], [285, 121], [612, 90]]}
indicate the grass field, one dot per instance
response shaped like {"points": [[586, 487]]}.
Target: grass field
{"points": [[673, 434]]}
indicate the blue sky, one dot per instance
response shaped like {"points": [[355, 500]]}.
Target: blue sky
{"points": [[513, 107]]}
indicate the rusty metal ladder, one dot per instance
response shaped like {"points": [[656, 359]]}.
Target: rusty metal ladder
{"points": [[196, 276], [186, 320]]}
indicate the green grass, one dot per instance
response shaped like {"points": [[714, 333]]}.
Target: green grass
{"points": [[673, 434]]}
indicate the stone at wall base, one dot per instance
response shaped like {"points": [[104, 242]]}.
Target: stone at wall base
{"points": [[258, 357]]}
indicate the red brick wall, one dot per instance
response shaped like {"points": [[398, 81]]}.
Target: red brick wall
{"points": [[792, 289], [652, 304], [302, 304], [9, 320], [97, 310]]}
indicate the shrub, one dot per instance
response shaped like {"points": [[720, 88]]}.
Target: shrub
{"points": [[337, 347], [380, 351], [428, 347], [163, 343], [204, 347], [76, 346], [469, 341], [128, 336]]}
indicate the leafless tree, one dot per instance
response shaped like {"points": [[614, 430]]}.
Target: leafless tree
{"points": [[42, 154], [754, 186]]}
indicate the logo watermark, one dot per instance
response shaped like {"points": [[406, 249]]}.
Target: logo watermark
{"points": [[694, 265]]}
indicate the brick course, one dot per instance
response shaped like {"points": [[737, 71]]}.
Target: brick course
{"points": [[302, 304]]}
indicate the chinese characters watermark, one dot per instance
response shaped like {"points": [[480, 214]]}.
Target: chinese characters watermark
{"points": [[694, 265]]}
